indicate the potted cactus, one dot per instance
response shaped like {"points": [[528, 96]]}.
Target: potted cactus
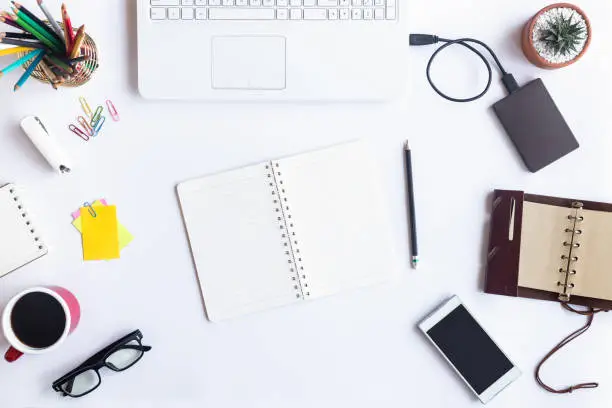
{"points": [[557, 36]]}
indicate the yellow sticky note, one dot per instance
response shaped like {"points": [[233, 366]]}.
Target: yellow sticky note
{"points": [[125, 237], [100, 233]]}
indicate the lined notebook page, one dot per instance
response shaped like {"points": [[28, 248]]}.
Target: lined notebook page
{"points": [[341, 221], [235, 239], [18, 244]]}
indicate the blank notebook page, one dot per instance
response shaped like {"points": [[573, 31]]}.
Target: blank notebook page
{"points": [[288, 230], [341, 219], [235, 239], [593, 277], [19, 241]]}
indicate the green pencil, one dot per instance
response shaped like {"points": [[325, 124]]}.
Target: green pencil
{"points": [[33, 24], [34, 32], [60, 64], [38, 21]]}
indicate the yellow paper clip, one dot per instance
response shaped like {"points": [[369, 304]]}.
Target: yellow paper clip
{"points": [[85, 106], [96, 116], [86, 126]]}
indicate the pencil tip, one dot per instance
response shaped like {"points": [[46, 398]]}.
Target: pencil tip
{"points": [[407, 145], [415, 262], [16, 88]]}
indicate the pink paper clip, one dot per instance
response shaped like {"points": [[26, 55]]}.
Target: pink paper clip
{"points": [[77, 131], [86, 126], [112, 110]]}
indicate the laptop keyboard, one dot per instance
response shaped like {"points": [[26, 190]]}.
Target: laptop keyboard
{"points": [[293, 10]]}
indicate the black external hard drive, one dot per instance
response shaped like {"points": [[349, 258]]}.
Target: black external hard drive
{"points": [[535, 125]]}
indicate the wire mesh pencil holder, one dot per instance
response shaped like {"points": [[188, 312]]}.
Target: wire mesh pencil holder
{"points": [[83, 70]]}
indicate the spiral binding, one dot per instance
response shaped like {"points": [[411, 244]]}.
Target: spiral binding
{"points": [[23, 213], [568, 271], [289, 235]]}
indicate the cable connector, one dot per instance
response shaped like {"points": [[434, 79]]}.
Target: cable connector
{"points": [[423, 39], [510, 83]]}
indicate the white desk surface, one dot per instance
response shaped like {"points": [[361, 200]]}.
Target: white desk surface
{"points": [[358, 349]]}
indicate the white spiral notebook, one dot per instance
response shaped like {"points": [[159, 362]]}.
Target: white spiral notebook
{"points": [[288, 230], [20, 242]]}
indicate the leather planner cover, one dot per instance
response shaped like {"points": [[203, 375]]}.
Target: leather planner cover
{"points": [[528, 239]]}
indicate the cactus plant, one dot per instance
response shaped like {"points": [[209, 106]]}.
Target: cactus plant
{"points": [[563, 34]]}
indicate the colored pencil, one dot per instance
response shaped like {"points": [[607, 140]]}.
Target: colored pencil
{"points": [[21, 43], [60, 64], [20, 61], [35, 32], [37, 20], [68, 30], [7, 21], [78, 42], [58, 30], [62, 58], [28, 73], [53, 80], [49, 35], [78, 59], [22, 36], [15, 50], [58, 72]]}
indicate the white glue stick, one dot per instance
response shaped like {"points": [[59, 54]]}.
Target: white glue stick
{"points": [[46, 144]]}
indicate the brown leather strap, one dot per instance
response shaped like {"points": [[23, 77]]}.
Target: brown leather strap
{"points": [[590, 314]]}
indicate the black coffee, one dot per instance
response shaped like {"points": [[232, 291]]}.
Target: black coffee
{"points": [[38, 320]]}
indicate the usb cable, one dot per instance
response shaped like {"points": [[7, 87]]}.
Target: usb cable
{"points": [[427, 39]]}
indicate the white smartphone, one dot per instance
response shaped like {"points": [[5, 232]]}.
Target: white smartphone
{"points": [[469, 349]]}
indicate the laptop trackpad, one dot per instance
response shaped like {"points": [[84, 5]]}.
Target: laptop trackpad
{"points": [[248, 63]]}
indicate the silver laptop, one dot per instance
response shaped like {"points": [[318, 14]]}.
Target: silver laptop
{"points": [[270, 50]]}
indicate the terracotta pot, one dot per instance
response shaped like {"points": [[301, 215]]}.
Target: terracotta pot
{"points": [[527, 41]]}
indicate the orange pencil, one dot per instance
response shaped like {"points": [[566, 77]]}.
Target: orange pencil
{"points": [[68, 30], [78, 42]]}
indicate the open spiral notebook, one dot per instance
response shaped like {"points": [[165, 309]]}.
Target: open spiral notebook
{"points": [[20, 242], [288, 230]]}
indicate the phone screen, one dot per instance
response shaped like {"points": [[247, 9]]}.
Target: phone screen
{"points": [[470, 349]]}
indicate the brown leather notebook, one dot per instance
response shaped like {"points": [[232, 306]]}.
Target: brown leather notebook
{"points": [[550, 248]]}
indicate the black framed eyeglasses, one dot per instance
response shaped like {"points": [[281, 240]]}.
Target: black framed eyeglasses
{"points": [[119, 356]]}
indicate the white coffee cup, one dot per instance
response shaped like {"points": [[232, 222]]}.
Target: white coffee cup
{"points": [[72, 314]]}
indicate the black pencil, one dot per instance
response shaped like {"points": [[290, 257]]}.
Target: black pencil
{"points": [[411, 207], [22, 43], [21, 36]]}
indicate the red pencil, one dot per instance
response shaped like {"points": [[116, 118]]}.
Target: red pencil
{"points": [[68, 30], [6, 20]]}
